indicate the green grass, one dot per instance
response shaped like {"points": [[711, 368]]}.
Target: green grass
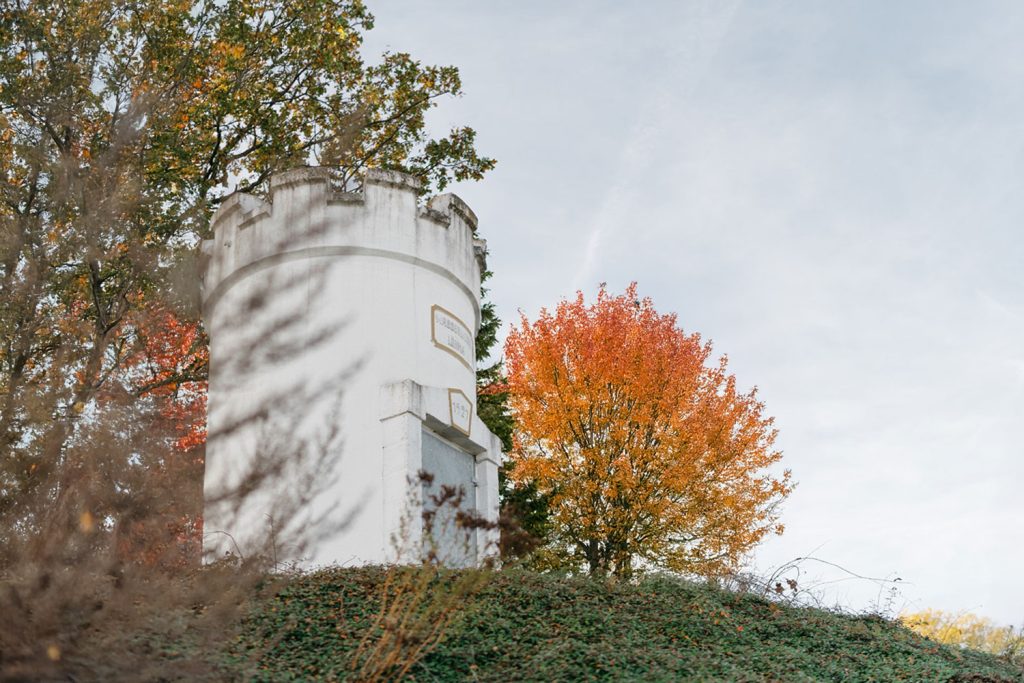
{"points": [[529, 627]]}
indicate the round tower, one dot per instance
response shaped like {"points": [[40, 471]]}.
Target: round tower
{"points": [[342, 330]]}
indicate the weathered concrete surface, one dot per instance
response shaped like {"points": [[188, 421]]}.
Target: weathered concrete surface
{"points": [[340, 324]]}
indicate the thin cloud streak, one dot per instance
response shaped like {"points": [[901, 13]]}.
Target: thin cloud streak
{"points": [[830, 192], [703, 26]]}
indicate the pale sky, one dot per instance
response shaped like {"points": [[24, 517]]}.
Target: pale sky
{"points": [[831, 192]]}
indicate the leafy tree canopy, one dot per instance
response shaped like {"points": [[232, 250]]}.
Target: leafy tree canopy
{"points": [[647, 452], [122, 126]]}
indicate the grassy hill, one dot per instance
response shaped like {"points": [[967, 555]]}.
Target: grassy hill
{"points": [[522, 626]]}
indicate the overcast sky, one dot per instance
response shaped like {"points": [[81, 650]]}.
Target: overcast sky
{"points": [[832, 193]]}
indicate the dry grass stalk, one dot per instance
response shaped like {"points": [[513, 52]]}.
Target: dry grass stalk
{"points": [[421, 602]]}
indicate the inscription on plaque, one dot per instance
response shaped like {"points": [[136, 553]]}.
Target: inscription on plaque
{"points": [[460, 409], [451, 334]]}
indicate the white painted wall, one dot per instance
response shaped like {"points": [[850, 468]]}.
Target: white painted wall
{"points": [[318, 305]]}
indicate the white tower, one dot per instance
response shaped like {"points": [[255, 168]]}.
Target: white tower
{"points": [[342, 330]]}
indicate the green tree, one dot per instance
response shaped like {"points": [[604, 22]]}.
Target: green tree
{"points": [[122, 127], [524, 510]]}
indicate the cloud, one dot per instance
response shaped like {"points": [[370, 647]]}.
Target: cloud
{"points": [[702, 26], [831, 192]]}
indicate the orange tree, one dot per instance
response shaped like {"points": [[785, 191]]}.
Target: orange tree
{"points": [[646, 450]]}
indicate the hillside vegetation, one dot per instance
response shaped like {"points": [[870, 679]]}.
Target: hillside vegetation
{"points": [[523, 626]]}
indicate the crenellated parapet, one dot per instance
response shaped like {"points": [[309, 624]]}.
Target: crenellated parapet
{"points": [[305, 216], [342, 332]]}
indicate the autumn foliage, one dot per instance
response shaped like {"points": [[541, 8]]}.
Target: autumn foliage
{"points": [[171, 367], [169, 371], [123, 126], [648, 451], [966, 629]]}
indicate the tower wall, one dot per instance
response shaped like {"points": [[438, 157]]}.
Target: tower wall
{"points": [[342, 329]]}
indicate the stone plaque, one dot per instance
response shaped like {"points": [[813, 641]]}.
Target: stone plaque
{"points": [[460, 410], [452, 335]]}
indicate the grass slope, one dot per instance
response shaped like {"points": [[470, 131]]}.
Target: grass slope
{"points": [[529, 627]]}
